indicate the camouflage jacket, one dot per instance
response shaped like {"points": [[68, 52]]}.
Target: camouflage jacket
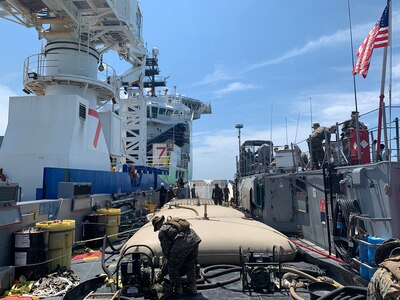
{"points": [[350, 125], [319, 134], [174, 239], [385, 284]]}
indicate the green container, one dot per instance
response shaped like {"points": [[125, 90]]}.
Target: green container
{"points": [[113, 220], [61, 239]]}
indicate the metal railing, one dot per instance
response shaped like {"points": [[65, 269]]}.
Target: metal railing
{"points": [[38, 66], [337, 152]]}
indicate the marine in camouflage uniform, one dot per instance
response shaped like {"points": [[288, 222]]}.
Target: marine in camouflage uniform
{"points": [[315, 144], [180, 246], [385, 284], [350, 125]]}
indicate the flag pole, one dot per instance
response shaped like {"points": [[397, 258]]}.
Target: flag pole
{"points": [[382, 114], [354, 88]]}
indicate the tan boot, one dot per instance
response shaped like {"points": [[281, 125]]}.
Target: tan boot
{"points": [[193, 288], [179, 289]]}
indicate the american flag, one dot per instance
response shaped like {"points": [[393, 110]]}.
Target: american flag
{"points": [[378, 37]]}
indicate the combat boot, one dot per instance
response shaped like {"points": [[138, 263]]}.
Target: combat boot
{"points": [[179, 289], [193, 288]]}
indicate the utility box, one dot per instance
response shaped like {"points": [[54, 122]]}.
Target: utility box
{"points": [[9, 193], [284, 159], [74, 189]]}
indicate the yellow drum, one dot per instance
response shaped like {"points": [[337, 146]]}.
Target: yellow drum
{"points": [[61, 239], [151, 207], [113, 219]]}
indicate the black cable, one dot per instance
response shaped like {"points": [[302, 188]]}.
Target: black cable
{"points": [[226, 269], [346, 292], [342, 226]]}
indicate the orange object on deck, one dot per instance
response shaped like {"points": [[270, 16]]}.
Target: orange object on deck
{"points": [[87, 256]]}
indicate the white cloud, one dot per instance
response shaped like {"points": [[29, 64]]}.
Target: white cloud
{"points": [[5, 93], [325, 41], [219, 74], [234, 87], [215, 156], [396, 71]]}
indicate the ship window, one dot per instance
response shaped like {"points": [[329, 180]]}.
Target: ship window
{"points": [[162, 111], [82, 111], [154, 111], [148, 112], [169, 112]]}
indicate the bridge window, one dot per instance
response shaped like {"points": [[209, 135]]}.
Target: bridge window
{"points": [[154, 112]]}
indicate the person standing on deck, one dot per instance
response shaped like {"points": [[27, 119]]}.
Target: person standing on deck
{"points": [[2, 176], [193, 191], [350, 125], [217, 195], [315, 144], [181, 187], [347, 128], [226, 193], [163, 195]]}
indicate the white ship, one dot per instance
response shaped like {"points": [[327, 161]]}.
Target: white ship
{"points": [[83, 127]]}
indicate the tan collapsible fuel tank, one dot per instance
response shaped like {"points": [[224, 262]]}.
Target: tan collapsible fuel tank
{"points": [[223, 231]]}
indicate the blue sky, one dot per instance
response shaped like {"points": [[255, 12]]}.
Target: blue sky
{"points": [[258, 62]]}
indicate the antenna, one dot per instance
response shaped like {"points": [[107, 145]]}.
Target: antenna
{"points": [[270, 138], [286, 133], [297, 128], [352, 57], [272, 109], [311, 115]]}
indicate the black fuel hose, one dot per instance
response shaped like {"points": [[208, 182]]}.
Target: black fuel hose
{"points": [[225, 270], [346, 292]]}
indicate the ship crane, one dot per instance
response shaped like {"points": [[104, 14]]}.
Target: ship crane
{"points": [[68, 82], [86, 27]]}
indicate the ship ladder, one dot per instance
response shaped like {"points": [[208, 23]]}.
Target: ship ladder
{"points": [[328, 205], [103, 296]]}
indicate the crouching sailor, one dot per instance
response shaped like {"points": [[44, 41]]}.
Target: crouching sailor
{"points": [[180, 246], [385, 284]]}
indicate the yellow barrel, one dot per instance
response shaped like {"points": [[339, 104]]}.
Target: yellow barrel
{"points": [[113, 219], [61, 238], [150, 207]]}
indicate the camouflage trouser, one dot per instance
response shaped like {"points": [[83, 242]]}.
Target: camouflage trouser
{"points": [[383, 286], [318, 154], [182, 260]]}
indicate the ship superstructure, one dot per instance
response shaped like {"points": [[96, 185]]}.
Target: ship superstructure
{"points": [[81, 114]]}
